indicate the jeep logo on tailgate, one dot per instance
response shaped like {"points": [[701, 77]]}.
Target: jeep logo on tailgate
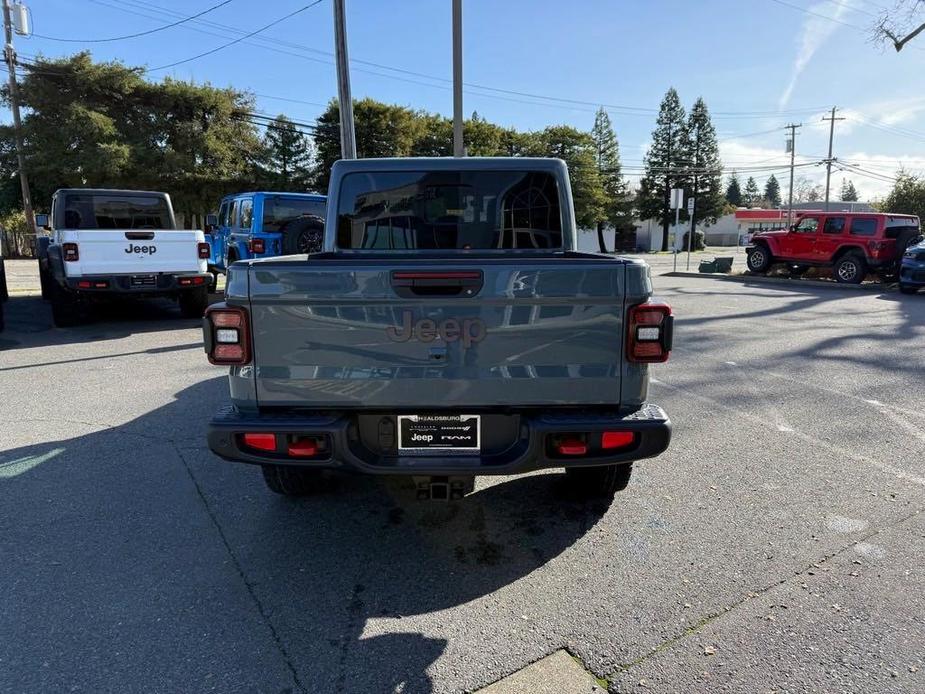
{"points": [[468, 330], [142, 250]]}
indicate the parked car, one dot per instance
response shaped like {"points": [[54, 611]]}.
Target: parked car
{"points": [[852, 244], [265, 224], [912, 272], [106, 244], [449, 329]]}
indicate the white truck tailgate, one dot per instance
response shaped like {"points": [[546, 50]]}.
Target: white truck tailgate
{"points": [[129, 252]]}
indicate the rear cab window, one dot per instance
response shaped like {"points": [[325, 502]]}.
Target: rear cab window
{"points": [[113, 211], [280, 211], [834, 225], [449, 210], [864, 226]]}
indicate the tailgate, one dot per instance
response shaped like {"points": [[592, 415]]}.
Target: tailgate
{"points": [[139, 251], [386, 334]]}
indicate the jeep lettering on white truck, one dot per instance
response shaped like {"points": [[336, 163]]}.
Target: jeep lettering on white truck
{"points": [[448, 329], [102, 244]]}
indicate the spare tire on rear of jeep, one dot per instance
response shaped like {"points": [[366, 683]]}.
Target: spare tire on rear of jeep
{"points": [[303, 236]]}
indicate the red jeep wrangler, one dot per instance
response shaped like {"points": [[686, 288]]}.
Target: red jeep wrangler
{"points": [[852, 243]]}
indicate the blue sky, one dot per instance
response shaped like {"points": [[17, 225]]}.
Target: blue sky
{"points": [[759, 65]]}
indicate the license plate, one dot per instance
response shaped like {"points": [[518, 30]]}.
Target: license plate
{"points": [[422, 434]]}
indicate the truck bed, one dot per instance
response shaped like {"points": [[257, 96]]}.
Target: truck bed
{"points": [[414, 332]]}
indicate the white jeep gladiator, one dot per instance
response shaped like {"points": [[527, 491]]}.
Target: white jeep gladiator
{"points": [[106, 244]]}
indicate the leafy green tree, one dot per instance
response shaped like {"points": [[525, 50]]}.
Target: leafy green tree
{"points": [[906, 197], [578, 151], [772, 191], [616, 210], [848, 192], [286, 161], [665, 164], [104, 125], [752, 195], [734, 190], [703, 156]]}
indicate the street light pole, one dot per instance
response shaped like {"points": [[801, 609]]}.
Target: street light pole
{"points": [[793, 149], [10, 56], [459, 148], [828, 162], [348, 144]]}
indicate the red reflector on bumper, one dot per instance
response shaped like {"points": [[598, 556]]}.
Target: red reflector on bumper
{"points": [[617, 439], [304, 448], [572, 447], [261, 442], [84, 284]]}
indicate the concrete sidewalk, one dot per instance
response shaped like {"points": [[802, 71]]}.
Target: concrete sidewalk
{"points": [[557, 673]]}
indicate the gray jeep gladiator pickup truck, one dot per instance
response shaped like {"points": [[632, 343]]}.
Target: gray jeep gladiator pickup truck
{"points": [[448, 329]]}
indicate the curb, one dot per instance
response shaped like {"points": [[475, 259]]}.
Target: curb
{"points": [[821, 284]]}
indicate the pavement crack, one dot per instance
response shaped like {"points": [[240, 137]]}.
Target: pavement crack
{"points": [[710, 618], [261, 609]]}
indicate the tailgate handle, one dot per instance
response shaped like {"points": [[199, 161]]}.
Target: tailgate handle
{"points": [[440, 283], [139, 235]]}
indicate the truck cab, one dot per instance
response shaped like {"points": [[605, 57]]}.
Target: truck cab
{"points": [[265, 224]]}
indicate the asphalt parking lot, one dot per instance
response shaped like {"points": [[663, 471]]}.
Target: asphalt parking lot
{"points": [[775, 547]]}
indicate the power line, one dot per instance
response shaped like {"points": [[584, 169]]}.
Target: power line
{"points": [[139, 34], [238, 40], [818, 14]]}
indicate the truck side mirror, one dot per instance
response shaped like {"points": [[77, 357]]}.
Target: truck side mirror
{"points": [[211, 223], [41, 221]]}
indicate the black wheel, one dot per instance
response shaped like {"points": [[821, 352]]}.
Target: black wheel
{"points": [[65, 307], [906, 289], [759, 259], [44, 283], [213, 282], [850, 269], [194, 302], [4, 293], [2, 321], [291, 481], [303, 236], [600, 482]]}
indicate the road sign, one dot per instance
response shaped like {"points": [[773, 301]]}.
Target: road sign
{"points": [[677, 198], [690, 206]]}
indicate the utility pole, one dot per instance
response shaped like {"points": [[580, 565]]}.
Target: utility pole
{"points": [[348, 143], [10, 56], [459, 147], [792, 145], [828, 162]]}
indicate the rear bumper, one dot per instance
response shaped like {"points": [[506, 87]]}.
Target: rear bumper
{"points": [[528, 450], [151, 284]]}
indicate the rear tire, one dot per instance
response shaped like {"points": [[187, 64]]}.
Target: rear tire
{"points": [[759, 259], [303, 236], [291, 481], [850, 269], [65, 307], [906, 289], [44, 283], [600, 482], [194, 302]]}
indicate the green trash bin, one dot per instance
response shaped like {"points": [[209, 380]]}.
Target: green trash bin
{"points": [[723, 264], [707, 266]]}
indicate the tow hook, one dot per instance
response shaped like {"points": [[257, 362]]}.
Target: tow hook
{"points": [[440, 488]]}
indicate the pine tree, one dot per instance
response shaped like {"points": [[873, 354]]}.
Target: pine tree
{"points": [[772, 191], [607, 154], [751, 193], [734, 190], [287, 156], [703, 157], [848, 192], [665, 164]]}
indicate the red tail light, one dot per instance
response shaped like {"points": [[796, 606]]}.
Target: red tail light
{"points": [[227, 335], [572, 447], [260, 442], [70, 252], [258, 246], [649, 333], [617, 439], [205, 251], [303, 448]]}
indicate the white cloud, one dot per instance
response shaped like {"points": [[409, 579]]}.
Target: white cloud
{"points": [[813, 34]]}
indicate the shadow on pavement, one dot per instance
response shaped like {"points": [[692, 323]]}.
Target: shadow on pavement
{"points": [[134, 560]]}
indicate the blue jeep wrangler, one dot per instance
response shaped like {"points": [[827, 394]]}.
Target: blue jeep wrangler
{"points": [[265, 224]]}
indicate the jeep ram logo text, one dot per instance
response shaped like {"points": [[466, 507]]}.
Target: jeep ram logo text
{"points": [[469, 331], [144, 250]]}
